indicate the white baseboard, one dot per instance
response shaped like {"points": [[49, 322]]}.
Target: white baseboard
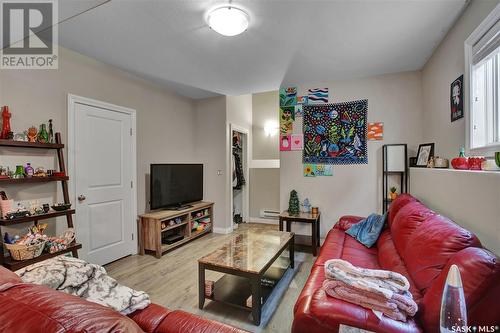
{"points": [[262, 220], [223, 231]]}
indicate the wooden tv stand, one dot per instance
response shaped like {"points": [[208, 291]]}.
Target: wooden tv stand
{"points": [[151, 231]]}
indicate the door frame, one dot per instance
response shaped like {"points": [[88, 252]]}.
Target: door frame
{"points": [[246, 193], [72, 101]]}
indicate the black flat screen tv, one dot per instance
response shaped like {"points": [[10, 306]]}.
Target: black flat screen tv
{"points": [[174, 185]]}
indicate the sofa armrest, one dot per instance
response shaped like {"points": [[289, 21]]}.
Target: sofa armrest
{"points": [[183, 322], [347, 221]]}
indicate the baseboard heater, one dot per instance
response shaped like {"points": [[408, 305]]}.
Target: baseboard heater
{"points": [[269, 214]]}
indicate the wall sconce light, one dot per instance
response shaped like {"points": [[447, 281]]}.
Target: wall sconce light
{"points": [[271, 128]]}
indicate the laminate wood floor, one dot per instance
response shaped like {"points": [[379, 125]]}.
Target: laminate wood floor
{"points": [[172, 281]]}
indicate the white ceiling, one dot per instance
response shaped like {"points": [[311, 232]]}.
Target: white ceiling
{"points": [[288, 42]]}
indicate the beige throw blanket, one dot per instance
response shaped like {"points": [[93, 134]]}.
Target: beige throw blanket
{"points": [[379, 290]]}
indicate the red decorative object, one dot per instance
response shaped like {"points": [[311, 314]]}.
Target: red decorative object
{"points": [[460, 163], [475, 163], [6, 123]]}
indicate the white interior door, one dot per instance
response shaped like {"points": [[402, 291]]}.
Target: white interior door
{"points": [[103, 183]]}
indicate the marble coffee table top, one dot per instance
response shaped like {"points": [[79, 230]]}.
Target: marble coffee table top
{"points": [[249, 250]]}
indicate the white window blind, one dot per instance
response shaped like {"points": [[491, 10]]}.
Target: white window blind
{"points": [[485, 89]]}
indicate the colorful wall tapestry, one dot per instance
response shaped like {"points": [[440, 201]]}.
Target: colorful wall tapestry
{"points": [[335, 133], [375, 131], [317, 96]]}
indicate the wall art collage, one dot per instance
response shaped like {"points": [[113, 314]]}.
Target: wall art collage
{"points": [[326, 133]]}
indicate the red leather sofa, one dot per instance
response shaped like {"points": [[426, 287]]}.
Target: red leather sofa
{"points": [[421, 245], [29, 308]]}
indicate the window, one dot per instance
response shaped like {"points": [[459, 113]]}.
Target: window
{"points": [[482, 51]]}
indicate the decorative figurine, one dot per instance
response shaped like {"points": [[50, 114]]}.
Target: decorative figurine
{"points": [[40, 172], [51, 132], [46, 207], [28, 170], [306, 206], [393, 193], [19, 172], [43, 136], [6, 132], [32, 134], [293, 203]]}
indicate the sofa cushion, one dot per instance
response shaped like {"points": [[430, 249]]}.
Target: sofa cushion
{"points": [[149, 318], [480, 273], [331, 312], [389, 259], [339, 245], [431, 246], [407, 220], [401, 201]]}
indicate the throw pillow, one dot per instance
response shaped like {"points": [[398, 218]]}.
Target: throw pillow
{"points": [[368, 230]]}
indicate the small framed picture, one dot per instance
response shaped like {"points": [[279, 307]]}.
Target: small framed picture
{"points": [[425, 152]]}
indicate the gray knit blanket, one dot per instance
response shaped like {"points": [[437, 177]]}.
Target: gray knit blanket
{"points": [[89, 281]]}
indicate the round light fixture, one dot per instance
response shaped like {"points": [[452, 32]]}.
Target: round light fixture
{"points": [[228, 20]]}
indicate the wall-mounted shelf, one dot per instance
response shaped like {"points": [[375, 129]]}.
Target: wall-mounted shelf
{"points": [[33, 218], [33, 180], [14, 265], [24, 144]]}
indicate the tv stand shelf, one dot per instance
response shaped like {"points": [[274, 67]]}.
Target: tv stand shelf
{"points": [[151, 232]]}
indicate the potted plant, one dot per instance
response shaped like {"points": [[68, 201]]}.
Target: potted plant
{"points": [[393, 193]]}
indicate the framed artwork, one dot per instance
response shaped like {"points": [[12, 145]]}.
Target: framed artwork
{"points": [[287, 117], [317, 96], [285, 143], [297, 141], [457, 99], [288, 96], [309, 170], [425, 152], [375, 131]]}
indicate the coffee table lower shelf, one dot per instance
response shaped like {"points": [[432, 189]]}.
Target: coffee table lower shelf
{"points": [[236, 290]]}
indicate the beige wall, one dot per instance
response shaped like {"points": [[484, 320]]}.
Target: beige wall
{"points": [[210, 117], [165, 121], [471, 199], [264, 109], [444, 66], [264, 190], [394, 99]]}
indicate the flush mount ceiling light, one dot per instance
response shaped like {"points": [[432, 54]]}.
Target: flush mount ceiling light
{"points": [[228, 20]]}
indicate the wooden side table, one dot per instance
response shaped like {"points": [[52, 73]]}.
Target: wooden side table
{"points": [[313, 219]]}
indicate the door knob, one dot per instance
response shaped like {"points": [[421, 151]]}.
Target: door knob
{"points": [[81, 197]]}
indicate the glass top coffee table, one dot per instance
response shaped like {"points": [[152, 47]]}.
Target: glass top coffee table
{"points": [[247, 259]]}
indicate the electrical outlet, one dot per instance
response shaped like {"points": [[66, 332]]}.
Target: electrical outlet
{"points": [[219, 172]]}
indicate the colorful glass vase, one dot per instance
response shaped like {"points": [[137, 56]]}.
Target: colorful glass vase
{"points": [[19, 172], [43, 136], [497, 158], [453, 308], [6, 123]]}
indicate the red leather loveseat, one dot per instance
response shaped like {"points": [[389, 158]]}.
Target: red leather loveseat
{"points": [[421, 245], [29, 308]]}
